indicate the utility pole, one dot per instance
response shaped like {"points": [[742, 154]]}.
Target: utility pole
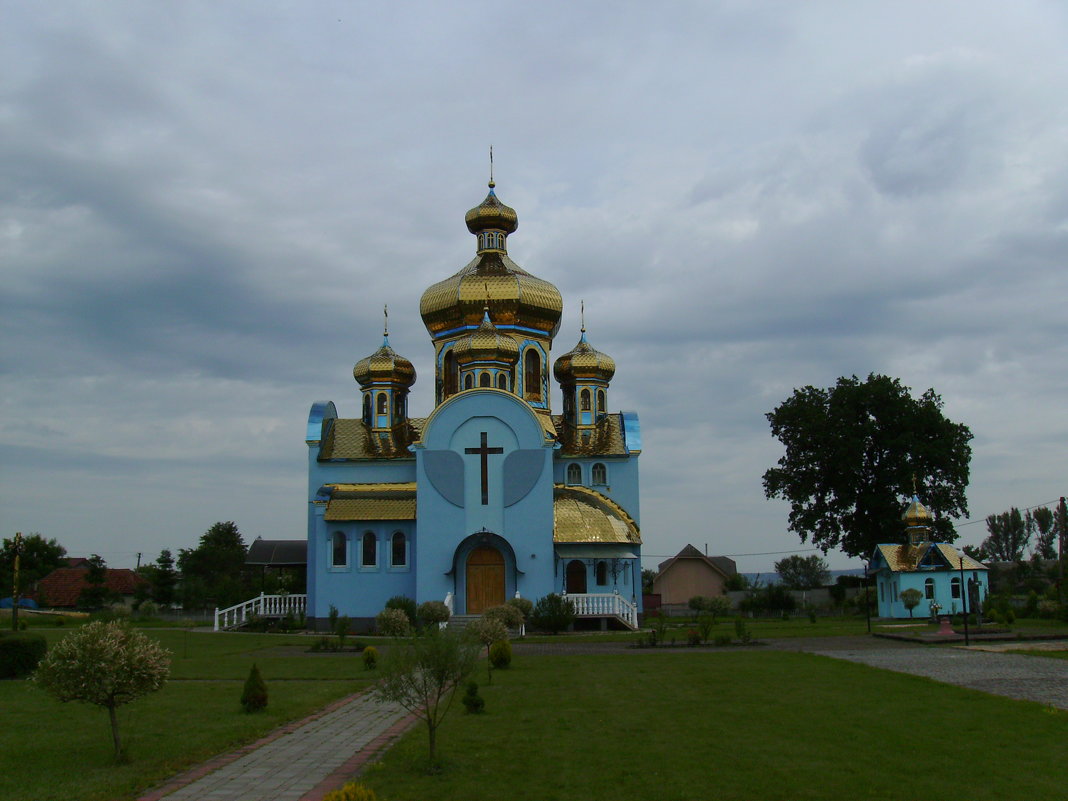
{"points": [[138, 560], [15, 597], [1063, 514]]}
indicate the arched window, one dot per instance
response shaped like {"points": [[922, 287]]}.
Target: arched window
{"points": [[469, 381], [369, 550], [448, 378], [398, 550], [367, 409], [928, 589], [485, 379], [584, 400], [600, 401], [954, 587], [339, 547], [600, 474], [502, 381], [383, 403], [601, 572], [532, 375], [574, 473]]}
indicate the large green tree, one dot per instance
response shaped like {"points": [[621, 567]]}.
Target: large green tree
{"points": [[851, 453], [215, 567], [1007, 536], [40, 557], [1040, 521], [803, 572]]}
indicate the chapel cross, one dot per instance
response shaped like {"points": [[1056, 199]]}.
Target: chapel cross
{"points": [[483, 451]]}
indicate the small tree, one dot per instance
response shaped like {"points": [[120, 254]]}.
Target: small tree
{"points": [[254, 695], [106, 664], [803, 572], [911, 598], [422, 675], [488, 630]]}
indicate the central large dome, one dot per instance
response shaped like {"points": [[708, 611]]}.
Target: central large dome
{"points": [[514, 296]]}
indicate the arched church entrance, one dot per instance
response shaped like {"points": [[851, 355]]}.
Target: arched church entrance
{"points": [[576, 577], [485, 579]]}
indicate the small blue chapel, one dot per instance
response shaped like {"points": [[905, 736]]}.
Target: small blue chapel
{"points": [[936, 569], [492, 495]]}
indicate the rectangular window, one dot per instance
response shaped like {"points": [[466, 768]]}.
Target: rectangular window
{"points": [[368, 550], [339, 547]]}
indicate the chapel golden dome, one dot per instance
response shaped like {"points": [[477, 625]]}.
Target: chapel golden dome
{"points": [[916, 515], [514, 296], [584, 362], [487, 344], [384, 366]]}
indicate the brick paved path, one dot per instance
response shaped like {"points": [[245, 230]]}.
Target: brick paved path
{"points": [[299, 762]]}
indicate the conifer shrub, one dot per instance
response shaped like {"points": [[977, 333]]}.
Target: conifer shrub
{"points": [[500, 655], [370, 658], [722, 640], [392, 622], [20, 653], [406, 605], [474, 704], [353, 791], [254, 696]]}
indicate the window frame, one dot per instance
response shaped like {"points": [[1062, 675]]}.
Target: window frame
{"points": [[364, 564], [602, 468], [573, 467], [332, 543], [393, 564]]}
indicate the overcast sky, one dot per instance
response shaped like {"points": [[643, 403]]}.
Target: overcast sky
{"points": [[204, 206]]}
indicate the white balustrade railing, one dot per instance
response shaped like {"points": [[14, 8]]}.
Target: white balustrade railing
{"points": [[261, 606], [600, 604]]}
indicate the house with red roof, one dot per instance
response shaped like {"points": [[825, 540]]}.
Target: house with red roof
{"points": [[61, 588]]}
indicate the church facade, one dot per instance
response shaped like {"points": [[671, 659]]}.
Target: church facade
{"points": [[492, 495]]}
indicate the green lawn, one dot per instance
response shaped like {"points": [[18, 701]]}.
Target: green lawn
{"points": [[50, 750], [730, 724]]}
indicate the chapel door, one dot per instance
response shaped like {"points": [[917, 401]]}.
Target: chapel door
{"points": [[485, 579], [576, 577]]}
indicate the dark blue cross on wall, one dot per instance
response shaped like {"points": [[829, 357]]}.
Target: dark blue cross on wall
{"points": [[484, 452]]}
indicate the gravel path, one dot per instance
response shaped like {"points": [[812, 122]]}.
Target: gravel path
{"points": [[1024, 677]]}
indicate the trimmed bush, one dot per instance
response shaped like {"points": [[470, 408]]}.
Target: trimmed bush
{"points": [[524, 606], [353, 791], [406, 605], [723, 639], [500, 654], [20, 653], [393, 622], [741, 631], [511, 617], [473, 703], [370, 657], [552, 613], [431, 613], [254, 696]]}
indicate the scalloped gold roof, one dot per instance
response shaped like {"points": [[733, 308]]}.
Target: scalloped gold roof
{"points": [[584, 515], [908, 557], [350, 438], [491, 213], [917, 514], [384, 365], [487, 344], [584, 361]]}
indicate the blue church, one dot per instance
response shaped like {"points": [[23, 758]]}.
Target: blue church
{"points": [[491, 496]]}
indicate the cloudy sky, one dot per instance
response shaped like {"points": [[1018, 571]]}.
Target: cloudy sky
{"points": [[204, 206]]}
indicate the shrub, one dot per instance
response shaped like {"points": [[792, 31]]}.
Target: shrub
{"points": [[660, 623], [1031, 609], [524, 605], [994, 616], [431, 613], [693, 638], [552, 613], [370, 658], [723, 639], [393, 622], [254, 696], [148, 609], [473, 703], [511, 617], [741, 631], [353, 791], [1010, 617], [500, 654], [406, 605], [20, 653], [704, 626], [698, 603], [341, 629]]}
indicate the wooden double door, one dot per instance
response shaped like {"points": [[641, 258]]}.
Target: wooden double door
{"points": [[485, 579]]}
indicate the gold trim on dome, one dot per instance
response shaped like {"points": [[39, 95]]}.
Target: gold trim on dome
{"points": [[384, 365], [584, 362], [584, 515]]}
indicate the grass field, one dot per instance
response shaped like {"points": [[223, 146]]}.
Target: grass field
{"points": [[731, 724], [62, 752]]}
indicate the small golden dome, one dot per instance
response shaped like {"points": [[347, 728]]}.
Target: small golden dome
{"points": [[584, 362], [917, 514], [487, 344], [384, 366], [492, 214]]}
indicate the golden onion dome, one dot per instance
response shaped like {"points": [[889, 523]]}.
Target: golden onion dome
{"points": [[384, 366], [916, 514], [584, 362], [491, 214], [487, 344], [516, 297]]}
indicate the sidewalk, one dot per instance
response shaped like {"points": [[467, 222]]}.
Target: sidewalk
{"points": [[301, 761]]}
